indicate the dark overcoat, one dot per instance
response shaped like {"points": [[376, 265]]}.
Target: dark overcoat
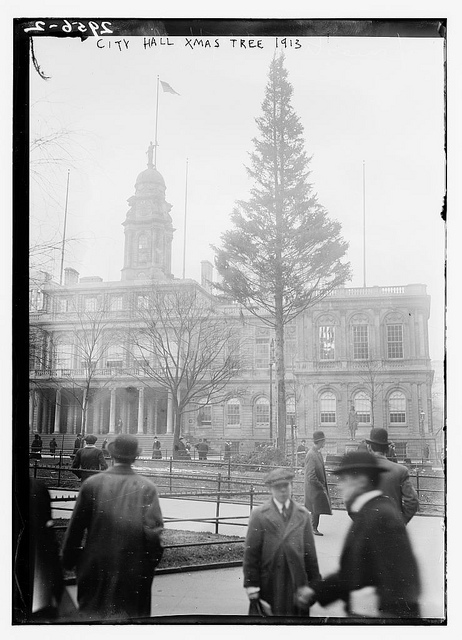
{"points": [[317, 499], [119, 510], [396, 484], [377, 552], [280, 556], [90, 458]]}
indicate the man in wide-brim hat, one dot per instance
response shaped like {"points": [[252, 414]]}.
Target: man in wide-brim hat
{"points": [[378, 575], [317, 498], [120, 513], [280, 557], [396, 484]]}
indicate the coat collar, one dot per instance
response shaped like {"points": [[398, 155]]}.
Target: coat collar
{"points": [[271, 512]]}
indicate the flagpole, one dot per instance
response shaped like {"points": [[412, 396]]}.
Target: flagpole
{"points": [[157, 115], [364, 222], [64, 230], [185, 212]]}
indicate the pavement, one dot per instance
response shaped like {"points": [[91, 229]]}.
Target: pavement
{"points": [[219, 592]]}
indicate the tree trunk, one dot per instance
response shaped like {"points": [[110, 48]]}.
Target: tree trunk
{"points": [[280, 378]]}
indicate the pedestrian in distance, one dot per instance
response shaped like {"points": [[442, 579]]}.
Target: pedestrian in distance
{"points": [[378, 575], [89, 459], [301, 453], [78, 443], [53, 446], [156, 449], [317, 498], [118, 514], [36, 447], [396, 484], [280, 558]]}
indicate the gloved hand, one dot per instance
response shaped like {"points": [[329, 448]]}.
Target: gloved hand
{"points": [[305, 597], [254, 596]]}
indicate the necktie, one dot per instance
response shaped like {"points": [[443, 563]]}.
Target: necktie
{"points": [[284, 512]]}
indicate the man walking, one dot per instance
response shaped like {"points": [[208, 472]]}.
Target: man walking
{"points": [[119, 512], [317, 499], [89, 458], [77, 443], [378, 575], [280, 555], [395, 484]]}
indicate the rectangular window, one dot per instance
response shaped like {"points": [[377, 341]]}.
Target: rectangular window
{"points": [[326, 343], [360, 342], [205, 414], [262, 415], [64, 305], [395, 341], [115, 357], [397, 417], [262, 353], [142, 302], [234, 414], [116, 303], [90, 304], [64, 356]]}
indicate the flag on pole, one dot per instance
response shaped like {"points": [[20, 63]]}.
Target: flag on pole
{"points": [[167, 88]]}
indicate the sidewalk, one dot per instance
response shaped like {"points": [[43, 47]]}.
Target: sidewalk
{"points": [[220, 592]]}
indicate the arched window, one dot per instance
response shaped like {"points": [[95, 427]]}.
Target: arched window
{"points": [[290, 411], [233, 412], [362, 404], [262, 412], [328, 408], [144, 253], [397, 408]]}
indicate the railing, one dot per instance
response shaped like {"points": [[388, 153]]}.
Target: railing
{"points": [[175, 483]]}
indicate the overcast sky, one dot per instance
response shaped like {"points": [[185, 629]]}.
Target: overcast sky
{"points": [[377, 100]]}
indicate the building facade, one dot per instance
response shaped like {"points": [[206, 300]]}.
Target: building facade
{"points": [[361, 352]]}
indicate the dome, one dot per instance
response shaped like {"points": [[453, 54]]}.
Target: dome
{"points": [[150, 176]]}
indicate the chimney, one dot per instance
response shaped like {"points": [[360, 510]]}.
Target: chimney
{"points": [[71, 276], [207, 275]]}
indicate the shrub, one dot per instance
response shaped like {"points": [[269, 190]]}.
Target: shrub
{"points": [[262, 457]]}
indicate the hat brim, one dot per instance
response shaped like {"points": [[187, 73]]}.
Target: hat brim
{"points": [[274, 483], [358, 467], [377, 442]]}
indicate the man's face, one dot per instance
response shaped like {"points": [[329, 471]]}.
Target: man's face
{"points": [[282, 492], [320, 444], [352, 486]]}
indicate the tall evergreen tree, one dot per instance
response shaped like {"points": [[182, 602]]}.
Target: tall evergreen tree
{"points": [[283, 253]]}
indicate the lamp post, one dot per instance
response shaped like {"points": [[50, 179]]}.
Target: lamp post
{"points": [[271, 359]]}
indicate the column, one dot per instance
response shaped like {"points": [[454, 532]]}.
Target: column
{"points": [[169, 413], [57, 411], [112, 409], [140, 409], [31, 410], [96, 416], [125, 412], [150, 407], [156, 413], [44, 425]]}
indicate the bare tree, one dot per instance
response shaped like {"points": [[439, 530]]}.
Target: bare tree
{"points": [[85, 346], [370, 372], [185, 346]]}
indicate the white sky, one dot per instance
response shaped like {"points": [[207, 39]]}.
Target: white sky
{"points": [[374, 99]]}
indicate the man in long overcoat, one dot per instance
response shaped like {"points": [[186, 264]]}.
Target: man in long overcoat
{"points": [[396, 483], [280, 556], [317, 499], [378, 575], [90, 458], [119, 512]]}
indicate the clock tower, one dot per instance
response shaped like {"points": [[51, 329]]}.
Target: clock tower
{"points": [[148, 229]]}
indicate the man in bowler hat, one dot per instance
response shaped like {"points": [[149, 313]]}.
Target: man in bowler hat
{"points": [[395, 484], [88, 459], [378, 575], [280, 555], [119, 512], [317, 499]]}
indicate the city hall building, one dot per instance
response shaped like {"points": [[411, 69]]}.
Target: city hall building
{"points": [[365, 349]]}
